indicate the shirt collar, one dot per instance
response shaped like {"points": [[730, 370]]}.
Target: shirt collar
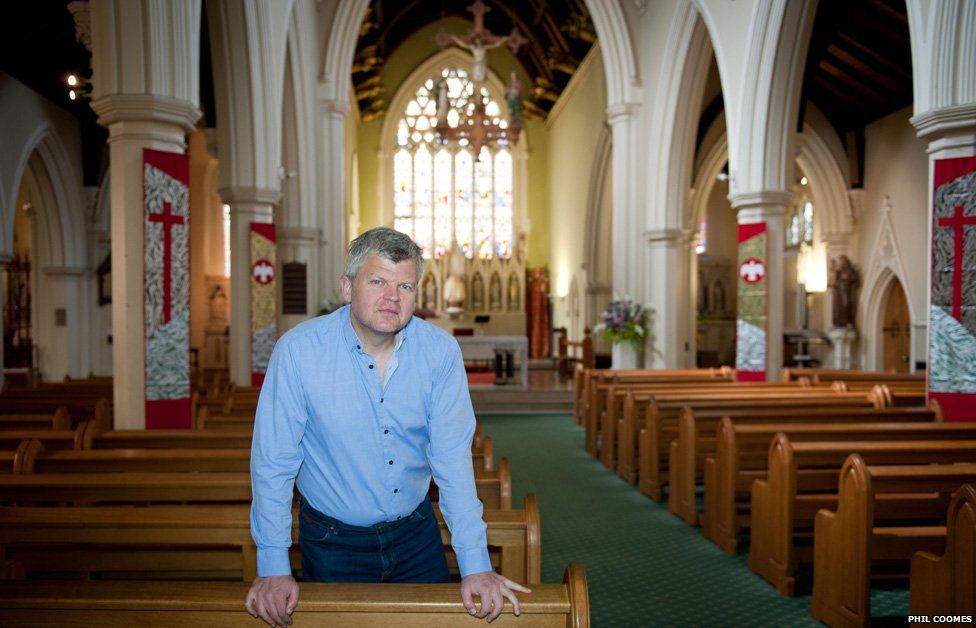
{"points": [[352, 339]]}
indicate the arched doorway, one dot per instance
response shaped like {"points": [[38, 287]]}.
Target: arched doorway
{"points": [[896, 330]]}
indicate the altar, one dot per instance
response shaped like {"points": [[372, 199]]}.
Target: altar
{"points": [[484, 347]]}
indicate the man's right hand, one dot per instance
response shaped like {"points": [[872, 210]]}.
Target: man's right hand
{"points": [[273, 599]]}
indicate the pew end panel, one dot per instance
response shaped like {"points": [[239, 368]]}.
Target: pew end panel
{"points": [[947, 584]]}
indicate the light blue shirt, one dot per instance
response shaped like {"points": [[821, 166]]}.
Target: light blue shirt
{"points": [[363, 450]]}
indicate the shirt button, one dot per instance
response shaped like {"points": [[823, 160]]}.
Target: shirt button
{"points": [[386, 431], [396, 490], [398, 516], [391, 462], [381, 400], [370, 366]]}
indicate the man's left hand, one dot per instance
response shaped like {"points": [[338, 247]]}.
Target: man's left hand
{"points": [[492, 588]]}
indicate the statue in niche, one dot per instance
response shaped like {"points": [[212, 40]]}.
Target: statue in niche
{"points": [[842, 287], [495, 293], [218, 305], [454, 291], [428, 293], [514, 293], [477, 293], [718, 298]]}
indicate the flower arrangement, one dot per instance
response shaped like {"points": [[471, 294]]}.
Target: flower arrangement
{"points": [[625, 321]]}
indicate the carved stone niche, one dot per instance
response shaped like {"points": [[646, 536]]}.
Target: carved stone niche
{"points": [[216, 335]]}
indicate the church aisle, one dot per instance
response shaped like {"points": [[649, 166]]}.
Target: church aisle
{"points": [[644, 566]]}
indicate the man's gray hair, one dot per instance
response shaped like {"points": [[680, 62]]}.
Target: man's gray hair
{"points": [[385, 242]]}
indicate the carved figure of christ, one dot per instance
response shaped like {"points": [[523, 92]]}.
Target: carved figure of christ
{"points": [[168, 220]]}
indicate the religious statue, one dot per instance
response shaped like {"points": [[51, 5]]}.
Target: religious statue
{"points": [[479, 41], [537, 310], [454, 291], [495, 292], [514, 97], [845, 280], [218, 305], [514, 293]]}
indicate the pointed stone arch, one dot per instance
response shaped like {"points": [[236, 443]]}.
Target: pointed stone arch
{"points": [[884, 267]]}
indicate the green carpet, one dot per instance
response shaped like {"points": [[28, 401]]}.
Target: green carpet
{"points": [[644, 566]]}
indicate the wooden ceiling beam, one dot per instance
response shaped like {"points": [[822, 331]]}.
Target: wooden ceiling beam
{"points": [[873, 73], [845, 41], [838, 93], [851, 81], [891, 12]]}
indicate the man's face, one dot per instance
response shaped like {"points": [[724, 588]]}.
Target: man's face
{"points": [[382, 295]]}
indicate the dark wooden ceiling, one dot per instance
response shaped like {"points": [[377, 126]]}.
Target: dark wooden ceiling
{"points": [[859, 67], [559, 34]]}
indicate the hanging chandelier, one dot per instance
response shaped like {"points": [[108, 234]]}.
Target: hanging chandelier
{"points": [[478, 126]]}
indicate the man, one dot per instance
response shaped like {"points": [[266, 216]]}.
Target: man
{"points": [[361, 408]]}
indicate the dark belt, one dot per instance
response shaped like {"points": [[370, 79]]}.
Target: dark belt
{"points": [[383, 526]]}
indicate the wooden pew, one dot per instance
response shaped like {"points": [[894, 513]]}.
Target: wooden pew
{"points": [[661, 425], [97, 438], [153, 541], [96, 409], [848, 375], [696, 441], [10, 440], [847, 540], [600, 380], [742, 456], [494, 487], [945, 585], [223, 460], [802, 479], [60, 419], [625, 405], [219, 604]]}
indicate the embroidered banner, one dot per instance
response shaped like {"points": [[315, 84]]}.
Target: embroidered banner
{"points": [[952, 316], [264, 328], [750, 345], [166, 199]]}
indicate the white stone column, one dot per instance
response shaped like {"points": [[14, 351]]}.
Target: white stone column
{"points": [[300, 244], [247, 205], [669, 286], [135, 122], [769, 206], [627, 217], [332, 248]]}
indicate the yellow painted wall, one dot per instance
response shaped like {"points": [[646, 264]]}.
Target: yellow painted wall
{"points": [[574, 132]]}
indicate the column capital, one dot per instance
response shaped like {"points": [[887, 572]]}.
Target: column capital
{"points": [[937, 123], [764, 200], [622, 112], [115, 108], [335, 106], [248, 194], [668, 236], [298, 235]]}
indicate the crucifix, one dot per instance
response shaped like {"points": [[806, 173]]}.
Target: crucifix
{"points": [[168, 220], [479, 41], [958, 223]]}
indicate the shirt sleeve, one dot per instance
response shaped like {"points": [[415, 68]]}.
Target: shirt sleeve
{"points": [[276, 456], [452, 426]]}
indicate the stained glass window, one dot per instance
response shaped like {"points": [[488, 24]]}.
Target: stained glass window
{"points": [[446, 192], [700, 241]]}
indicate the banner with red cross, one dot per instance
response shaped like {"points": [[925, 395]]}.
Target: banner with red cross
{"points": [[750, 344], [166, 259], [264, 316], [952, 313]]}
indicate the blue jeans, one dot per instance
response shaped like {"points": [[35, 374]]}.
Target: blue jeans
{"points": [[406, 550]]}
